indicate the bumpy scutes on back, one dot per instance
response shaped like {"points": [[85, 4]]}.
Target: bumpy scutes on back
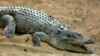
{"points": [[31, 12]]}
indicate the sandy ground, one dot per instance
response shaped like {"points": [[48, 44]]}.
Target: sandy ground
{"points": [[81, 15]]}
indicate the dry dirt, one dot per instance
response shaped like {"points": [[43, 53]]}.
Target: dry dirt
{"points": [[81, 15]]}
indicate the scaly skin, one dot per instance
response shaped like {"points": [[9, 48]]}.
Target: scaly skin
{"points": [[42, 27]]}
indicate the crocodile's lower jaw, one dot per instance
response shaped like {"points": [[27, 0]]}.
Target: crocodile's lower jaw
{"points": [[82, 49]]}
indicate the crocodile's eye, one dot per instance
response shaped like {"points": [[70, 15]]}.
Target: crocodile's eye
{"points": [[59, 31], [61, 27]]}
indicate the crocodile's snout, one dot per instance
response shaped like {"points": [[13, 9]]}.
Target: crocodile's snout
{"points": [[75, 42], [89, 41], [80, 44], [84, 47]]}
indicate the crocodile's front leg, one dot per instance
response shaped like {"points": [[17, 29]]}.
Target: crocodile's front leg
{"points": [[38, 37], [10, 27]]}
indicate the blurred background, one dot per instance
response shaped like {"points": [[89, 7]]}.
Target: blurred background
{"points": [[82, 16]]}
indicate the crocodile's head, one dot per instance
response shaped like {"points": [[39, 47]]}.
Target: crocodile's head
{"points": [[72, 41]]}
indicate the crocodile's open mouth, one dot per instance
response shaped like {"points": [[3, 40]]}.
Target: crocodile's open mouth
{"points": [[82, 48]]}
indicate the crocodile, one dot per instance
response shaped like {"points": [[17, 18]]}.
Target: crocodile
{"points": [[43, 27]]}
